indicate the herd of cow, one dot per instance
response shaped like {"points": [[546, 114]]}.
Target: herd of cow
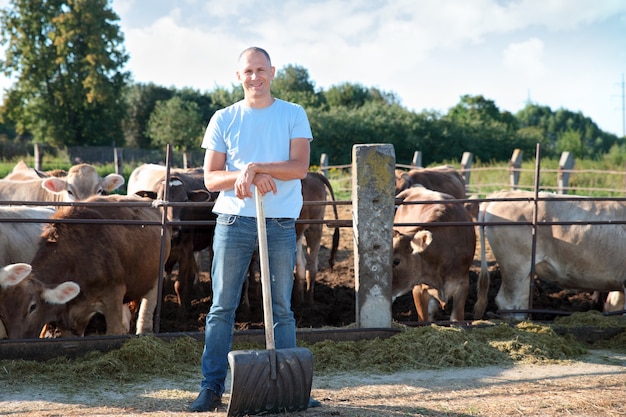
{"points": [[63, 264]]}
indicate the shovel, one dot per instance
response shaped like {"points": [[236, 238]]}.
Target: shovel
{"points": [[273, 380]]}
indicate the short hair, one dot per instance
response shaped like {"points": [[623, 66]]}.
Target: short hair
{"points": [[256, 49]]}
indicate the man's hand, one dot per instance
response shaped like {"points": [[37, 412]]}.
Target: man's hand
{"points": [[264, 182]]}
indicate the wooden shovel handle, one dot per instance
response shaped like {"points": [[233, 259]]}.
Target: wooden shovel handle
{"points": [[265, 272]]}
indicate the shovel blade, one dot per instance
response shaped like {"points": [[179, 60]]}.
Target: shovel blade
{"points": [[255, 389]]}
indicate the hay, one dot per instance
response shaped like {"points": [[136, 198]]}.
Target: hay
{"points": [[428, 347], [435, 347], [137, 359], [590, 318]]}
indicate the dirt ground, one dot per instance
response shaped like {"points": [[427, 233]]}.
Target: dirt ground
{"points": [[592, 386]]}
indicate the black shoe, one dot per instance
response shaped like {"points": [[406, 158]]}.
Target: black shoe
{"points": [[207, 401], [314, 403]]}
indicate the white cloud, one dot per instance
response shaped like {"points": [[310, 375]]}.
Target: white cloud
{"points": [[525, 58]]}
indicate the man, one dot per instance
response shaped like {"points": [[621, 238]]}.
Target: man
{"points": [[259, 143]]}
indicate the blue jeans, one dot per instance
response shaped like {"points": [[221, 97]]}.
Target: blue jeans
{"points": [[234, 244]]}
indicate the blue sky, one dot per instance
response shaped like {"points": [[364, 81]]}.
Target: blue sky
{"points": [[558, 53]]}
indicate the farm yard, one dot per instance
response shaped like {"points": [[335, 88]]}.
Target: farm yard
{"points": [[446, 372]]}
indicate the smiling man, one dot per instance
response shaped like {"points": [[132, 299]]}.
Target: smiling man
{"points": [[260, 143]]}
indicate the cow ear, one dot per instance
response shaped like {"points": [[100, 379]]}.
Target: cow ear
{"points": [[421, 240], [50, 233], [62, 293], [112, 182], [14, 274], [54, 185], [199, 196]]}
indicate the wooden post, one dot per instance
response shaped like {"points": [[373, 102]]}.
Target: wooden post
{"points": [[185, 160], [324, 164], [417, 159], [37, 154], [515, 164], [373, 168], [566, 164], [118, 160], [466, 167]]}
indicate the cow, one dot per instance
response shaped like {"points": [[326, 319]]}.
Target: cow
{"points": [[22, 172], [185, 185], [19, 233], [433, 261], [81, 182], [573, 256], [11, 275], [314, 187], [445, 179], [110, 263]]}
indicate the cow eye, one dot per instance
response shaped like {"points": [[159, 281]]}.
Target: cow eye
{"points": [[396, 262], [32, 308]]}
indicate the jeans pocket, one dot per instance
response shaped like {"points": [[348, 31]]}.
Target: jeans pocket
{"points": [[285, 223], [226, 219]]}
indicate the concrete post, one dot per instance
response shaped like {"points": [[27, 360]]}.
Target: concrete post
{"points": [[566, 164], [373, 207], [37, 153], [324, 164], [515, 164], [466, 167], [417, 159]]}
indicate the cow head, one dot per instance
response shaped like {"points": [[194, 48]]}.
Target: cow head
{"points": [[26, 304], [407, 264], [82, 181], [403, 180]]}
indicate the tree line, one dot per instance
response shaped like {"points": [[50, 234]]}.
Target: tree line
{"points": [[71, 89]]}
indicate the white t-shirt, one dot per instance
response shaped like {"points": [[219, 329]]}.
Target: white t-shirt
{"points": [[247, 135]]}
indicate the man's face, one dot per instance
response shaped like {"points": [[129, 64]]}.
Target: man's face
{"points": [[255, 74]]}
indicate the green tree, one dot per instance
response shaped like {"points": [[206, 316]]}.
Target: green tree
{"points": [[140, 101], [67, 57], [176, 122], [292, 83]]}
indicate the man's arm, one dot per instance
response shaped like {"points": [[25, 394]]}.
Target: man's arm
{"points": [[216, 178], [262, 174]]}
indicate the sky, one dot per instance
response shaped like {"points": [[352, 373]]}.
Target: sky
{"points": [[567, 54]]}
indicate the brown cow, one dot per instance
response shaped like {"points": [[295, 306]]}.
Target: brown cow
{"points": [[445, 179], [112, 264], [314, 188], [433, 261], [82, 181], [185, 185]]}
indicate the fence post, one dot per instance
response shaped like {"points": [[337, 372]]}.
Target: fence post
{"points": [[417, 159], [118, 160], [515, 164], [566, 164], [373, 199], [185, 160], [466, 167], [324, 164], [37, 154]]}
